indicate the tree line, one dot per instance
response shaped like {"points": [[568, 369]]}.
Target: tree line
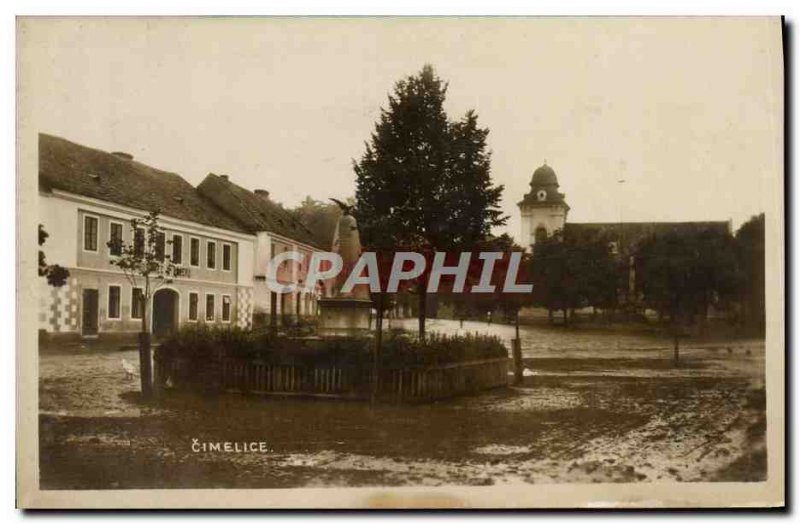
{"points": [[681, 275]]}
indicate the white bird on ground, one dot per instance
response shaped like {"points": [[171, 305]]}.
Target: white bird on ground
{"points": [[525, 373], [130, 370]]}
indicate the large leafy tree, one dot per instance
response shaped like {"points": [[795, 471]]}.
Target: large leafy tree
{"points": [[750, 253], [602, 276], [424, 181], [681, 274], [574, 271], [556, 273]]}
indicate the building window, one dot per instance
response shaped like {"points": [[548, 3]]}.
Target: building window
{"points": [[210, 308], [89, 233], [193, 298], [177, 249], [194, 252], [138, 242], [226, 257], [161, 245], [137, 303], [226, 308], [115, 238], [113, 302], [211, 255], [540, 235]]}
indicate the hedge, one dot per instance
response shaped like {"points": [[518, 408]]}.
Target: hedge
{"points": [[200, 344]]}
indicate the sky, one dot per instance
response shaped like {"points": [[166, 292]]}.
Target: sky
{"points": [[687, 111]]}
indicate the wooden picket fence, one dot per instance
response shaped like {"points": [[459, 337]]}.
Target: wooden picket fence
{"points": [[405, 384], [263, 378], [443, 381]]}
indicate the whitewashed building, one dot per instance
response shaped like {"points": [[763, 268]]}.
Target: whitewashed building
{"points": [[275, 231], [87, 197]]}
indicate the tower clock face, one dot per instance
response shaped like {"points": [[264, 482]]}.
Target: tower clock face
{"points": [[541, 195]]}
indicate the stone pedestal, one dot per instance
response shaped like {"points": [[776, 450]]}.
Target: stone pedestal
{"points": [[343, 316]]}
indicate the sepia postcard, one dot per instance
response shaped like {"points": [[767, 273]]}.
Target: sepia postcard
{"points": [[400, 262]]}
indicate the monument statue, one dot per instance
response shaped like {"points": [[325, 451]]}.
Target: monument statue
{"points": [[346, 313], [347, 243]]}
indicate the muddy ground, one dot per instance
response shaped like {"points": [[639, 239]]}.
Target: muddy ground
{"points": [[595, 406]]}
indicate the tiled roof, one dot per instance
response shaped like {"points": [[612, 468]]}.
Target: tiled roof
{"points": [[553, 198], [255, 212], [630, 233], [115, 178]]}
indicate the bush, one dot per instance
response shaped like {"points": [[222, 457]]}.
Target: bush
{"points": [[402, 350], [197, 343], [199, 350]]}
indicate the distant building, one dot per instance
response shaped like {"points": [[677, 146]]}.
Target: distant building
{"points": [[87, 197], [544, 212], [275, 231]]}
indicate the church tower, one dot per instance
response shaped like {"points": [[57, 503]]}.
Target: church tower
{"points": [[543, 210]]}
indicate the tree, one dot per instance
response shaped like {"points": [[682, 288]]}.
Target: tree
{"points": [[56, 275], [573, 271], [750, 254], [556, 274], [508, 304], [680, 275], [384, 248], [424, 181], [468, 304], [147, 266], [321, 218], [600, 274]]}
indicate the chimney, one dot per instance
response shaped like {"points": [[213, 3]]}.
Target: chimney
{"points": [[262, 193], [120, 154], [224, 177]]}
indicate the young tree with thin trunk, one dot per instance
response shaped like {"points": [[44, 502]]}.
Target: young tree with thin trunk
{"points": [[147, 266]]}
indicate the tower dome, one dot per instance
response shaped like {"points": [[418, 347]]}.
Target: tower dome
{"points": [[544, 189], [543, 210], [544, 176]]}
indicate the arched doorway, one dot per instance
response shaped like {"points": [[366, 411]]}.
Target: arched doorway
{"points": [[165, 312]]}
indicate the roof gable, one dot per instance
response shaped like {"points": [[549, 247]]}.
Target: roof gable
{"points": [[81, 170], [254, 212]]}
